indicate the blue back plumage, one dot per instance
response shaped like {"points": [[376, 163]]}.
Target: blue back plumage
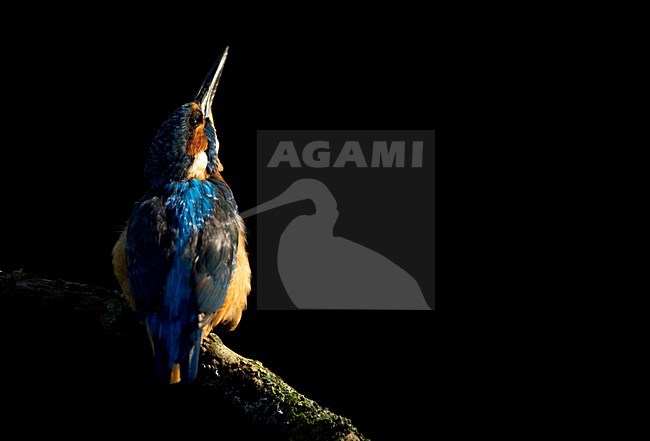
{"points": [[181, 248]]}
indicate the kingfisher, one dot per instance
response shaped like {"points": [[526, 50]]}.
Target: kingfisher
{"points": [[181, 261]]}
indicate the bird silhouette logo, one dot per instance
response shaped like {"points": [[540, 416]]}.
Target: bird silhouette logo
{"points": [[323, 271]]}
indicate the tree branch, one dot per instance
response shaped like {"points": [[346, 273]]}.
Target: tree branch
{"points": [[249, 387]]}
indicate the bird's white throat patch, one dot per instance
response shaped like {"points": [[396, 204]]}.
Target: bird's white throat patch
{"points": [[197, 170]]}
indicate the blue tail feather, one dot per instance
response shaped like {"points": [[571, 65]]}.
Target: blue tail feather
{"points": [[190, 365], [188, 359]]}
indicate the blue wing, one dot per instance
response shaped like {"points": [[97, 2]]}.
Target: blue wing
{"points": [[216, 251]]}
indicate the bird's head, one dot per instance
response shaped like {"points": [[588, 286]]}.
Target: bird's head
{"points": [[186, 145]]}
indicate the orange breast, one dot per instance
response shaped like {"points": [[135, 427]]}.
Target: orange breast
{"points": [[199, 142], [240, 286]]}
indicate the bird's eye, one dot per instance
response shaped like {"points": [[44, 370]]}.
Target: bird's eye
{"points": [[195, 119]]}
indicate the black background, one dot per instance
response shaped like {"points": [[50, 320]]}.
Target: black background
{"points": [[83, 104]]}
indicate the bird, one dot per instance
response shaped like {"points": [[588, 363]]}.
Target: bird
{"points": [[181, 261]]}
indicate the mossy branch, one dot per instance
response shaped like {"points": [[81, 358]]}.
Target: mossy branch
{"points": [[266, 399], [250, 388]]}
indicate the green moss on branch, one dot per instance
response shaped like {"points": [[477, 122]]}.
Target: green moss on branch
{"points": [[267, 399]]}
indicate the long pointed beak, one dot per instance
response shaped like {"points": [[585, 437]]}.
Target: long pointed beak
{"points": [[312, 189], [208, 89]]}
